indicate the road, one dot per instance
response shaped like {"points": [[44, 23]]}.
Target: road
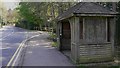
{"points": [[10, 39]]}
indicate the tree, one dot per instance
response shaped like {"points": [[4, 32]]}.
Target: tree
{"points": [[40, 12], [3, 15]]}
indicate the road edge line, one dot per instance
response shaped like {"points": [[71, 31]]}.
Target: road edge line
{"points": [[17, 52]]}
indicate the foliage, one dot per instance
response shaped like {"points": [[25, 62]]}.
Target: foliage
{"points": [[12, 16], [3, 15], [54, 44], [52, 36], [24, 11], [0, 19], [41, 13], [24, 24], [7, 15]]}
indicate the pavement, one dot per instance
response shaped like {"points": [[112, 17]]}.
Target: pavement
{"points": [[39, 52]]}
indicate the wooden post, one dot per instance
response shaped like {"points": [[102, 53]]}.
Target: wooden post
{"points": [[74, 23], [106, 30], [77, 38], [71, 21], [58, 37], [58, 30], [112, 31], [83, 28]]}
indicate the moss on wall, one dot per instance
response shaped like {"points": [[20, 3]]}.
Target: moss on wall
{"points": [[95, 59]]}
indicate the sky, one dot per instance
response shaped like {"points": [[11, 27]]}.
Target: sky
{"points": [[10, 4]]}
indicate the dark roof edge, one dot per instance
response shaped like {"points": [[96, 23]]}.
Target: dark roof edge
{"points": [[103, 7], [112, 13]]}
